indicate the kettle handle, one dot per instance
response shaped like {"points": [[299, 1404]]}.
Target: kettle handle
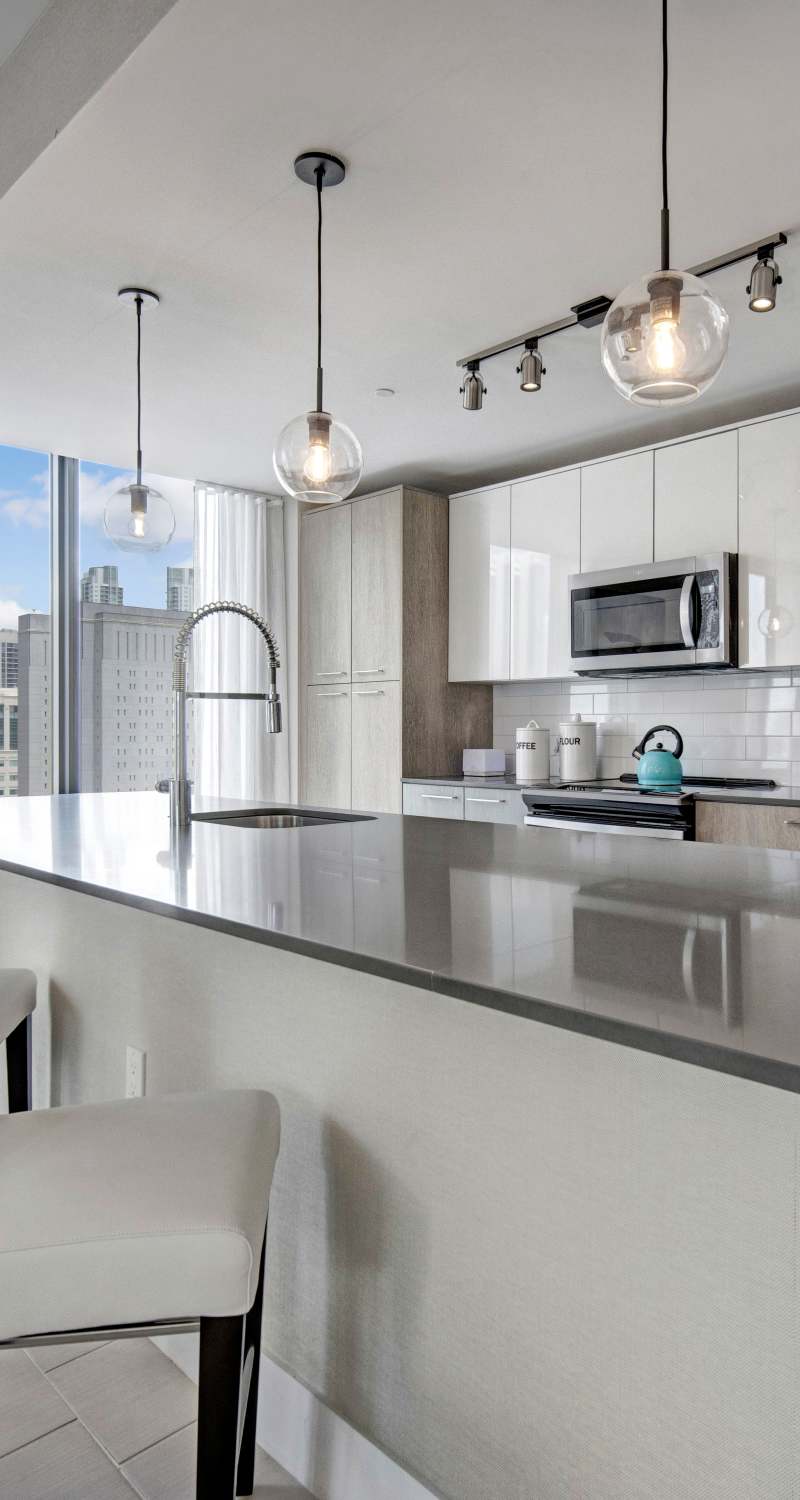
{"points": [[640, 748]]}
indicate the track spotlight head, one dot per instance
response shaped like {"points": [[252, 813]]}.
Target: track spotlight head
{"points": [[765, 278], [530, 368], [473, 390]]}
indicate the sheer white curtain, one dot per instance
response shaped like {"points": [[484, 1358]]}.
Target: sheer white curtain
{"points": [[238, 555]]}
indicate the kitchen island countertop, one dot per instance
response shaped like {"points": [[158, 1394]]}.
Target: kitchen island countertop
{"points": [[686, 950]]}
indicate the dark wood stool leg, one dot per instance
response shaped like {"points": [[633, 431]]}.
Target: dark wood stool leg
{"points": [[18, 1062], [221, 1359], [245, 1474]]}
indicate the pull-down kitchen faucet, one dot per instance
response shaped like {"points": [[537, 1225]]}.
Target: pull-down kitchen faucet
{"points": [[180, 787]]}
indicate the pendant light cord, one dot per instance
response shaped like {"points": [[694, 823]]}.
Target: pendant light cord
{"points": [[664, 103], [138, 390], [320, 173]]}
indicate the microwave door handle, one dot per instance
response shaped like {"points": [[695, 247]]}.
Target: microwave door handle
{"points": [[687, 627]]}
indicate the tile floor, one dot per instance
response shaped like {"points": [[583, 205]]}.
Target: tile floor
{"points": [[105, 1422]]}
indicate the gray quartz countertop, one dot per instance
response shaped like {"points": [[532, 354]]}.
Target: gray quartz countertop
{"points": [[691, 951], [779, 796]]}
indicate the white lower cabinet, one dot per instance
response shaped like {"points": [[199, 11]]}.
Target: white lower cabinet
{"points": [[326, 747], [494, 806], [475, 804], [433, 800], [376, 747]]}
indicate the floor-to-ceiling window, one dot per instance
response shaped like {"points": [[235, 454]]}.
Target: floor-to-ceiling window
{"points": [[24, 621]]}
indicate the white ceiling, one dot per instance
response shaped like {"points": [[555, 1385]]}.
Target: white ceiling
{"points": [[503, 164], [16, 19]]}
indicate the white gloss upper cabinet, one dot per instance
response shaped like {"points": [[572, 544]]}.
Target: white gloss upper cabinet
{"points": [[545, 549], [696, 497], [617, 513], [480, 586], [769, 543]]}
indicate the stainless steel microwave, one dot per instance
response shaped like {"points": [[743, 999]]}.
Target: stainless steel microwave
{"points": [[660, 616]]}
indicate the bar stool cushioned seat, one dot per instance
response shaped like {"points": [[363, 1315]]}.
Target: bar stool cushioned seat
{"points": [[140, 1210], [17, 998]]}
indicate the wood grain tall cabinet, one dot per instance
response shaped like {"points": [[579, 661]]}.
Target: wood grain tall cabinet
{"points": [[376, 704]]}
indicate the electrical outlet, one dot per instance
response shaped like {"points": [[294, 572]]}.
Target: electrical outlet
{"points": [[134, 1072]]}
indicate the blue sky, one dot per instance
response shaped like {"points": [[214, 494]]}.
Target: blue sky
{"points": [[25, 533]]}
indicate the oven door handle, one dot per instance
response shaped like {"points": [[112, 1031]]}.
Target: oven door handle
{"points": [[580, 825], [687, 624]]}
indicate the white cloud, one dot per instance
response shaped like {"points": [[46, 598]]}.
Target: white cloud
{"points": [[24, 510], [10, 612]]}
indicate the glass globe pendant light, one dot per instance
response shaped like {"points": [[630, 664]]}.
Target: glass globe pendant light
{"points": [[316, 458], [665, 336], [137, 518]]}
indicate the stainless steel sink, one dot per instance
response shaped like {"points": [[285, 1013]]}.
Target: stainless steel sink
{"points": [[278, 817]]}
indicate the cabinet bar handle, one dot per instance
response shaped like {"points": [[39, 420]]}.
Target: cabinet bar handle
{"points": [[338, 673], [365, 671], [369, 693], [791, 823], [332, 695], [494, 800], [438, 796]]}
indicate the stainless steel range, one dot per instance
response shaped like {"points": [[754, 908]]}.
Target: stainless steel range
{"points": [[622, 806]]}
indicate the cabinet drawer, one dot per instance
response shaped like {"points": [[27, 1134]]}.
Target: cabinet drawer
{"points": [[436, 800], [493, 806], [740, 823]]}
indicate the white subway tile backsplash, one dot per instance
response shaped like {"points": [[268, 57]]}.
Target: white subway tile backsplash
{"points": [[761, 700], [726, 701], [780, 723], [733, 724]]}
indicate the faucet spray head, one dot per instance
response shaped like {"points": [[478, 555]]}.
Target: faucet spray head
{"points": [[274, 714]]}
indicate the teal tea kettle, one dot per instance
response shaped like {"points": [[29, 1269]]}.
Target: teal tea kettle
{"points": [[659, 767]]}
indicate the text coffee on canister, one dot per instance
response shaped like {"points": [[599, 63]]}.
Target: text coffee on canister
{"points": [[533, 753], [577, 749]]}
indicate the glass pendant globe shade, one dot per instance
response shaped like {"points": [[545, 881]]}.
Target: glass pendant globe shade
{"points": [[139, 519], [318, 459], [664, 339]]}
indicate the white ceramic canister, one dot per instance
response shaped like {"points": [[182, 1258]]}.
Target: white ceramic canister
{"points": [[577, 749], [533, 753]]}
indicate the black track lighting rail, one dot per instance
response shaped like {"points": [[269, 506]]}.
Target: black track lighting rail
{"points": [[591, 312]]}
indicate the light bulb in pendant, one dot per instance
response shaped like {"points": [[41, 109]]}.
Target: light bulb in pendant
{"points": [[317, 467], [666, 351]]}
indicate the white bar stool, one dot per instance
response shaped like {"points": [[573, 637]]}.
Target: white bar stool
{"points": [[147, 1216], [17, 1004]]}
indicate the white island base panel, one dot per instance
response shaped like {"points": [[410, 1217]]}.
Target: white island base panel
{"points": [[523, 1262]]}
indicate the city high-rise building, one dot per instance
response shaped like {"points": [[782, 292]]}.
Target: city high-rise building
{"points": [[9, 658], [180, 589], [35, 723], [9, 716], [101, 586], [9, 723], [126, 698]]}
